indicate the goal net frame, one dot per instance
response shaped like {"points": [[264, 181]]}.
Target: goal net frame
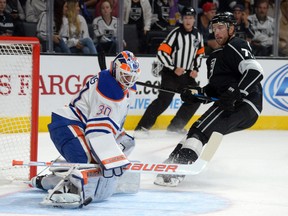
{"points": [[35, 56]]}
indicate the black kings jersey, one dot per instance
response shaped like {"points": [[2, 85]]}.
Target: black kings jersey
{"points": [[233, 65]]}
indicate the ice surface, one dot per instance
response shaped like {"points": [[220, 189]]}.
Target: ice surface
{"points": [[247, 176]]}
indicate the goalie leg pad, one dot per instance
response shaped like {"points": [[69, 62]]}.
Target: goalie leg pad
{"points": [[103, 188], [47, 182], [69, 192], [63, 200]]}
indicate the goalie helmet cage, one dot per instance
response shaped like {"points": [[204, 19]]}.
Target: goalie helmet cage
{"points": [[19, 95]]}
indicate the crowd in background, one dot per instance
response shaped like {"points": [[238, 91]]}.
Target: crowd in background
{"points": [[90, 26]]}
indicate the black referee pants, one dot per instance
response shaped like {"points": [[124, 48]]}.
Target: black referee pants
{"points": [[170, 81]]}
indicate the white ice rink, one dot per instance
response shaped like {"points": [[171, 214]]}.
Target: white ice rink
{"points": [[248, 176]]}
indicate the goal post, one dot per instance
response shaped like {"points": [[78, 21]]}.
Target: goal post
{"points": [[19, 105]]}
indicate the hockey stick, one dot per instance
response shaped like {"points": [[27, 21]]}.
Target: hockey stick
{"points": [[102, 60], [47, 166], [159, 168], [175, 92]]}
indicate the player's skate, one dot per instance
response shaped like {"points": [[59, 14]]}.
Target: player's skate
{"points": [[172, 130], [182, 154], [141, 133], [168, 180]]}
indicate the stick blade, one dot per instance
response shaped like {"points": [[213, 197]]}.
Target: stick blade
{"points": [[211, 146]]}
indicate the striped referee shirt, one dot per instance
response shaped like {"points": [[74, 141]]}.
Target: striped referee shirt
{"points": [[182, 49]]}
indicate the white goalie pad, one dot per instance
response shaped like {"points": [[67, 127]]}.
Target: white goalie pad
{"points": [[104, 188], [108, 152], [70, 190], [63, 200]]}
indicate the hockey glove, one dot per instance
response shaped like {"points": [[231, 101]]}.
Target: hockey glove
{"points": [[189, 95], [228, 99], [126, 143]]}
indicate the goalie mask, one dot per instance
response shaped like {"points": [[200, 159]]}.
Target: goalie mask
{"points": [[125, 69]]}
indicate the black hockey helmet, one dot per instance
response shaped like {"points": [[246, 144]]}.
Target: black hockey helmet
{"points": [[188, 11], [225, 17]]}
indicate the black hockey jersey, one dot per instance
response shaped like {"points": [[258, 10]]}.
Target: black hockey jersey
{"points": [[234, 65]]}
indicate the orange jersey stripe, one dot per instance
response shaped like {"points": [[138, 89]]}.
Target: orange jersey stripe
{"points": [[201, 51], [165, 48]]}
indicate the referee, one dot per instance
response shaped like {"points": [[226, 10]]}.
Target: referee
{"points": [[180, 53]]}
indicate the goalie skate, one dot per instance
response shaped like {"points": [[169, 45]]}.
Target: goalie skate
{"points": [[168, 180], [63, 200]]}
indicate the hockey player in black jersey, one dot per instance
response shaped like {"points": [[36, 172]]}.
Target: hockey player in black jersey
{"points": [[234, 77]]}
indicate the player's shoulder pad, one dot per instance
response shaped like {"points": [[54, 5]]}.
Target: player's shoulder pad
{"points": [[238, 43], [109, 87]]}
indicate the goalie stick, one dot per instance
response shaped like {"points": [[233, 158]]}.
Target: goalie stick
{"points": [[175, 92], [158, 168]]}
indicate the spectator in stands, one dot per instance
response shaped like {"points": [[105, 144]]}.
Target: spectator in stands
{"points": [[90, 3], [33, 9], [15, 9], [59, 46], [209, 11], [75, 30], [105, 29], [6, 21], [247, 6], [271, 8], [283, 29], [174, 16], [228, 5], [23, 2], [114, 4], [87, 6], [263, 25], [139, 12], [243, 29], [161, 12]]}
